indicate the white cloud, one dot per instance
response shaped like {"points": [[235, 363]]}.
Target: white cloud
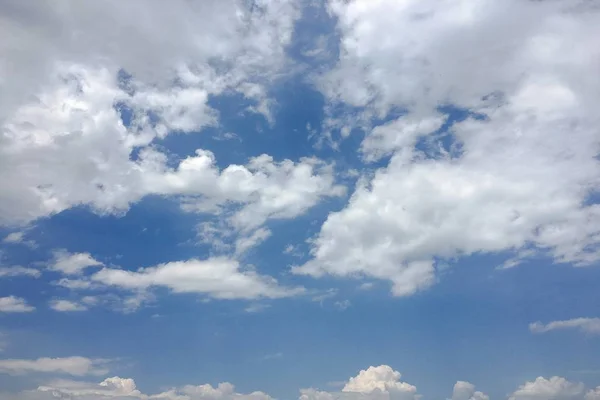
{"points": [[14, 237], [73, 263], [593, 394], [18, 238], [466, 391], [257, 307], [382, 378], [62, 305], [62, 136], [77, 366], [77, 284], [555, 388], [585, 325], [292, 250], [110, 387], [17, 270], [515, 180], [374, 383], [342, 304], [245, 243], [219, 278], [366, 286], [267, 189], [12, 304], [398, 135], [117, 388]]}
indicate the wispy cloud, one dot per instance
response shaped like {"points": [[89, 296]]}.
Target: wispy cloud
{"points": [[589, 326]]}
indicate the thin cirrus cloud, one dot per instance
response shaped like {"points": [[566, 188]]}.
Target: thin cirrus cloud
{"points": [[589, 326]]}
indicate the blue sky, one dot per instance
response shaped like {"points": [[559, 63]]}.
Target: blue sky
{"points": [[281, 195]]}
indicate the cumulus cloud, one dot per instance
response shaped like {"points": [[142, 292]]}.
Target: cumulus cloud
{"points": [[76, 366], [219, 278], [81, 112], [117, 388], [373, 383], [13, 304], [555, 388], [466, 391], [62, 132], [516, 174], [585, 325], [73, 263]]}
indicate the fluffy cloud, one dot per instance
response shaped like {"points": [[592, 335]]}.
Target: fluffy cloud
{"points": [[586, 325], [12, 304], [219, 278], [117, 388], [376, 383], [63, 141], [466, 391], [515, 175], [373, 383], [555, 388], [265, 188], [593, 394], [76, 366], [73, 263], [77, 128]]}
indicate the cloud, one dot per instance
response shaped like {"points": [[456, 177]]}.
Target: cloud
{"points": [[76, 366], [14, 237], [73, 263], [62, 103], [62, 305], [18, 238], [219, 278], [17, 270], [243, 244], [117, 388], [466, 391], [12, 304], [342, 305], [272, 356], [556, 388], [376, 383], [589, 326], [257, 307], [593, 394], [516, 174]]}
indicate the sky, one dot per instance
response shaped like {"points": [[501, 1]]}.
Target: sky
{"points": [[299, 199]]}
